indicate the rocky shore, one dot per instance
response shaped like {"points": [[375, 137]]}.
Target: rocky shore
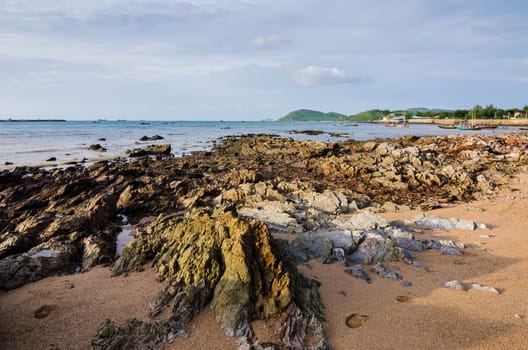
{"points": [[234, 228]]}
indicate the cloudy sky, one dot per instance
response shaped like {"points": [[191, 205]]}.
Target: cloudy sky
{"points": [[256, 59]]}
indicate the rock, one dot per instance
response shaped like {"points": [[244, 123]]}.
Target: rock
{"points": [[406, 240], [151, 138], [361, 221], [101, 209], [449, 251], [11, 243], [315, 246], [149, 150], [357, 272], [479, 286], [339, 254], [332, 202], [230, 263], [435, 222], [97, 147], [321, 244], [375, 248], [272, 214], [454, 285], [344, 239], [447, 247], [17, 270], [381, 271]]}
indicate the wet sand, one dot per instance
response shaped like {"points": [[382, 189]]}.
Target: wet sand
{"points": [[432, 317]]}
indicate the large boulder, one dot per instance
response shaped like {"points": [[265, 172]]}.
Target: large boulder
{"points": [[376, 248], [227, 262], [17, 270], [332, 202]]}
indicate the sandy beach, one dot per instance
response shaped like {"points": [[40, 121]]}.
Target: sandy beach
{"points": [[428, 317]]}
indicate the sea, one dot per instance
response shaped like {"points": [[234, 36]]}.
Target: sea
{"points": [[58, 144]]}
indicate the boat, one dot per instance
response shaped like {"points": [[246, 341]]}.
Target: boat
{"points": [[488, 126], [447, 126], [399, 122], [468, 127], [471, 126], [523, 128]]}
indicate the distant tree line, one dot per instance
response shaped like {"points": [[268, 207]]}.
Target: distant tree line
{"points": [[488, 112]]}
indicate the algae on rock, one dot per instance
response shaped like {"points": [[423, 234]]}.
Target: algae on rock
{"points": [[231, 263]]}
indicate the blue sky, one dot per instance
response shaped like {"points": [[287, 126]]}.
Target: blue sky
{"points": [[256, 59]]}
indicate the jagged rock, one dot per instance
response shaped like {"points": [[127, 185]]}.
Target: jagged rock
{"points": [[447, 247], [150, 150], [11, 243], [17, 270], [381, 271], [375, 248], [357, 271], [406, 240], [332, 202], [97, 249], [454, 285], [361, 221], [443, 223], [273, 214], [151, 138], [479, 286], [101, 209], [322, 244], [232, 264], [315, 246], [97, 147]]}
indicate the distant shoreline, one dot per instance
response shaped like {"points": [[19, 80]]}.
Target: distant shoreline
{"points": [[498, 122], [31, 120]]}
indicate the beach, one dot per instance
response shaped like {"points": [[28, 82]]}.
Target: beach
{"points": [[298, 189]]}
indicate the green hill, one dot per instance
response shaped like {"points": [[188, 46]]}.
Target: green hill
{"points": [[309, 115], [373, 114]]}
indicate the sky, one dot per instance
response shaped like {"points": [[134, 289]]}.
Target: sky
{"points": [[257, 59]]}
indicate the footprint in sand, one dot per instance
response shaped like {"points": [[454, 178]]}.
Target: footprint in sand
{"points": [[356, 320], [44, 311], [402, 298]]}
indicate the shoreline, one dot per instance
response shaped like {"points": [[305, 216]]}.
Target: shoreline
{"points": [[450, 121], [296, 188]]}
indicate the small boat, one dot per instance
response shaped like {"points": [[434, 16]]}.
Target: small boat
{"points": [[447, 126], [488, 126], [468, 127], [523, 128], [352, 124]]}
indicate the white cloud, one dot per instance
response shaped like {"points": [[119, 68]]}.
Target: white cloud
{"points": [[313, 75], [148, 61], [268, 41]]}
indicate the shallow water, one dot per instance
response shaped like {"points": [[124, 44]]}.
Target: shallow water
{"points": [[124, 237], [32, 143], [44, 253]]}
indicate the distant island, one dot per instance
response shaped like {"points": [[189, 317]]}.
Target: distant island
{"points": [[479, 112], [31, 120]]}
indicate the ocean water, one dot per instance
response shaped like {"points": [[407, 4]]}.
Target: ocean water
{"points": [[33, 143]]}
